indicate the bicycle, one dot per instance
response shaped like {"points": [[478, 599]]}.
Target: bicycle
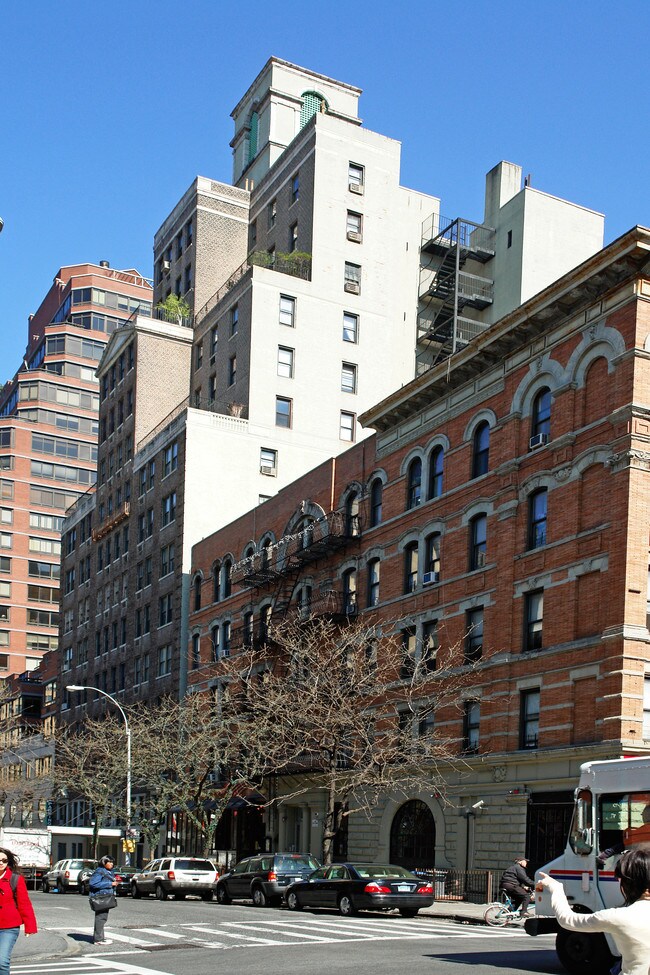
{"points": [[502, 913]]}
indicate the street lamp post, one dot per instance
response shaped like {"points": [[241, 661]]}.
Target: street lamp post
{"points": [[85, 687]]}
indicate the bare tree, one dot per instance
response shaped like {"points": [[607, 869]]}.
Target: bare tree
{"points": [[350, 710]]}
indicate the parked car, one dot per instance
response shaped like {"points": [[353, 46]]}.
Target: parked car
{"points": [[176, 875], [123, 876], [264, 879], [353, 887], [65, 875]]}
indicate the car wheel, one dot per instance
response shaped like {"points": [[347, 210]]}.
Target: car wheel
{"points": [[61, 888], [223, 896], [160, 893], [408, 911], [346, 906], [259, 897], [292, 901], [135, 891], [207, 895], [45, 887]]}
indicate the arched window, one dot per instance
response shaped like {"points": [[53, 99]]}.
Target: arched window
{"points": [[196, 651], [312, 104], [225, 639], [376, 500], [477, 542], [226, 583], [436, 464], [252, 136], [432, 559], [216, 642], [350, 592], [411, 566], [537, 508], [374, 572], [414, 483], [197, 593], [216, 572], [248, 632], [266, 553], [481, 449], [265, 622], [304, 601], [352, 528], [540, 426]]}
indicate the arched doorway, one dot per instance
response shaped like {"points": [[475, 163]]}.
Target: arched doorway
{"points": [[413, 836]]}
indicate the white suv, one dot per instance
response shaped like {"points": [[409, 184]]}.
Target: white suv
{"points": [[176, 875]]}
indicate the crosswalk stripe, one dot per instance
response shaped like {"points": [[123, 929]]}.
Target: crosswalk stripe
{"points": [[232, 934], [160, 933]]}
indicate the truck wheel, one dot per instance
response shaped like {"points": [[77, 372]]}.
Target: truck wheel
{"points": [[584, 954]]}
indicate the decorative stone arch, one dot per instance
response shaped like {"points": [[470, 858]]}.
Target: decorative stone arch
{"points": [[249, 549], [377, 552], [306, 509], [433, 526], [597, 341], [479, 507], [380, 474], [591, 458], [438, 440], [353, 487], [536, 481], [476, 420], [545, 373], [392, 805], [412, 535]]}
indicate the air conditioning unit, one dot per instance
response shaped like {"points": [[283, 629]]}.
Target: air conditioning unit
{"points": [[214, 777], [166, 266], [539, 440], [481, 559], [352, 287], [430, 578], [356, 188], [355, 236], [268, 470]]}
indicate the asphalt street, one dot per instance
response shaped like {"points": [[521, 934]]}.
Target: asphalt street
{"points": [[194, 938]]}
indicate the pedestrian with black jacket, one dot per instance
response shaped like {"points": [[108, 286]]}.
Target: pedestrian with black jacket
{"points": [[518, 885], [103, 882], [15, 908]]}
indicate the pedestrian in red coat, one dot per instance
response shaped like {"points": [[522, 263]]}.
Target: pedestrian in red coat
{"points": [[15, 908]]}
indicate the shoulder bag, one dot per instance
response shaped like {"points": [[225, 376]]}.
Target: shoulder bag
{"points": [[103, 902]]}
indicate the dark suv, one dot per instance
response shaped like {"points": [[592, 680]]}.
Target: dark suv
{"points": [[264, 878]]}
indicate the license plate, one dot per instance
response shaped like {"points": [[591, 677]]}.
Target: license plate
{"points": [[404, 888]]}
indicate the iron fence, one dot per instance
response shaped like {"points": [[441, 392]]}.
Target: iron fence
{"points": [[471, 886]]}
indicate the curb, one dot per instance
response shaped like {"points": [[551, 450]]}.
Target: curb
{"points": [[70, 950]]}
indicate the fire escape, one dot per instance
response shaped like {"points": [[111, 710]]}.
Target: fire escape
{"points": [[449, 289], [277, 570]]}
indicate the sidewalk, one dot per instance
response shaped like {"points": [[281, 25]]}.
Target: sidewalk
{"points": [[44, 946]]}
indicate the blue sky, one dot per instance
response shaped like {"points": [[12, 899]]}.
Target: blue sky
{"points": [[109, 111]]}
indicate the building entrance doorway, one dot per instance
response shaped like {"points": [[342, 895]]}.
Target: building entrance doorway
{"points": [[413, 836]]}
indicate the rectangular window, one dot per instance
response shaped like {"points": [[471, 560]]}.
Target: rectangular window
{"points": [[350, 327], [199, 354], [471, 726], [283, 411], [353, 226], [287, 310], [293, 237], [411, 567], [272, 212], [234, 319], [409, 646], [167, 556], [529, 719], [164, 662], [214, 341], [168, 509], [268, 461], [232, 370], [534, 610], [430, 644], [352, 279], [348, 377], [285, 362], [170, 458], [355, 177], [347, 426], [165, 606], [295, 188], [474, 635]]}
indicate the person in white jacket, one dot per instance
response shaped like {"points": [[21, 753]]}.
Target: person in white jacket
{"points": [[630, 925]]}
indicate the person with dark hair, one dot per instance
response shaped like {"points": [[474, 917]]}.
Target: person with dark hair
{"points": [[15, 908], [102, 881], [518, 885], [627, 925]]}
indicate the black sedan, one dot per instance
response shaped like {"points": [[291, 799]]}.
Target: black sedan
{"points": [[353, 887], [122, 875]]}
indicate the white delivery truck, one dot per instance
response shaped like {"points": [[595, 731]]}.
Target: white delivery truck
{"points": [[32, 847], [611, 813]]}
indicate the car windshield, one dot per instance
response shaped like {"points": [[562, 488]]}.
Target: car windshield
{"points": [[194, 865], [373, 870], [295, 864], [79, 864]]}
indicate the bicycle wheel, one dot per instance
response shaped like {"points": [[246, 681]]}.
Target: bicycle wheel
{"points": [[496, 916]]}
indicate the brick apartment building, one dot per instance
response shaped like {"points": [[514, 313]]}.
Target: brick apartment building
{"points": [[48, 446], [500, 513]]}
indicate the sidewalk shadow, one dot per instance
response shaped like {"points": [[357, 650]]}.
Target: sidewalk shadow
{"points": [[81, 938]]}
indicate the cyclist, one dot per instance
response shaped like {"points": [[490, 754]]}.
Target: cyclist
{"points": [[518, 885]]}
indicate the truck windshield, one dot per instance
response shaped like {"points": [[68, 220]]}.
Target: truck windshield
{"points": [[624, 819], [581, 836]]}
